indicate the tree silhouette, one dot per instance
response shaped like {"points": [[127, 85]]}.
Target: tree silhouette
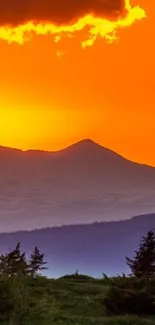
{"points": [[13, 263], [36, 262], [143, 264]]}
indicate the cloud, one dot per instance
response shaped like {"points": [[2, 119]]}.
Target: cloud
{"points": [[20, 20], [18, 12]]}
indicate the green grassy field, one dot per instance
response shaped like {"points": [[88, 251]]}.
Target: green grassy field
{"points": [[79, 301]]}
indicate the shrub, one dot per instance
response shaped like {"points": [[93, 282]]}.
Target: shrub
{"points": [[129, 301]]}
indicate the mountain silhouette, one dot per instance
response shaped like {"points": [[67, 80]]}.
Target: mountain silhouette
{"points": [[79, 184], [92, 248]]}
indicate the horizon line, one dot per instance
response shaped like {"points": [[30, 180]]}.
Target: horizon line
{"points": [[55, 150], [76, 143], [145, 215]]}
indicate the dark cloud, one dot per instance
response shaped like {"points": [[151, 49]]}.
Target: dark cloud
{"points": [[15, 12]]}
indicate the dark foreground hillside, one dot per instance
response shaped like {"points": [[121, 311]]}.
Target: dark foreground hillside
{"points": [[79, 301], [72, 301]]}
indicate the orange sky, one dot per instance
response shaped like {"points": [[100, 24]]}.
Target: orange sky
{"points": [[104, 92]]}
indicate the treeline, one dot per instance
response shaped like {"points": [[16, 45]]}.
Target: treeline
{"points": [[25, 298], [135, 294], [15, 263]]}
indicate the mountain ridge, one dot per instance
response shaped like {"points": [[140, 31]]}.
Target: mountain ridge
{"points": [[83, 183], [84, 144], [92, 248], [143, 217]]}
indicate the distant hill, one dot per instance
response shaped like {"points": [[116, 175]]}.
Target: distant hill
{"points": [[80, 184], [92, 249]]}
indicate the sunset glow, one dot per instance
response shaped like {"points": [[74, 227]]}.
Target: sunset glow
{"points": [[90, 79]]}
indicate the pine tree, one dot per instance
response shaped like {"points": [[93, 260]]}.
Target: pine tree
{"points": [[13, 263], [36, 263], [143, 264]]}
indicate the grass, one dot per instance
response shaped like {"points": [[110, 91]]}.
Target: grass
{"points": [[79, 301]]}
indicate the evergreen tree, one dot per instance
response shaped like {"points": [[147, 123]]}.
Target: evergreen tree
{"points": [[14, 263], [143, 264], [37, 262]]}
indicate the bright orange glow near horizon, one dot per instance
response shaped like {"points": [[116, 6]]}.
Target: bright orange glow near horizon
{"points": [[56, 89]]}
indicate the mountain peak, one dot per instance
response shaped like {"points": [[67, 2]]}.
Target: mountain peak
{"points": [[86, 144], [84, 147], [88, 141], [89, 149]]}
